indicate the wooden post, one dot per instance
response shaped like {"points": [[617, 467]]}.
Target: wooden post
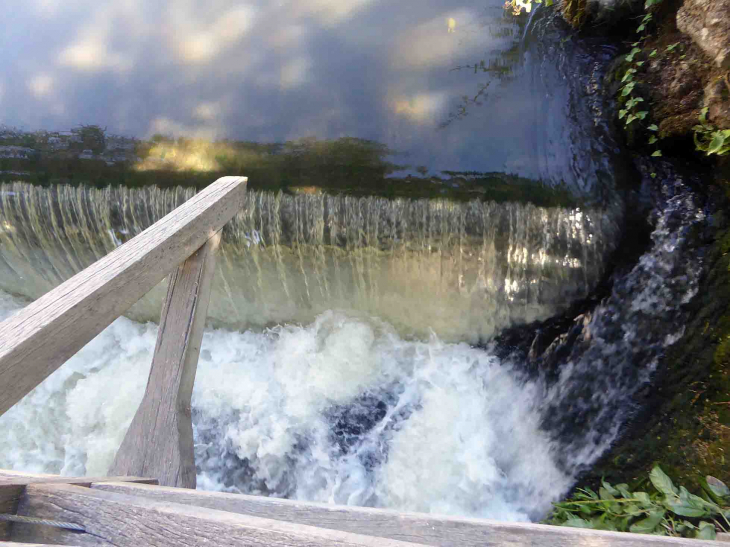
{"points": [[159, 442]]}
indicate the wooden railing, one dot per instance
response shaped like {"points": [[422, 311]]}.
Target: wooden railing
{"points": [[127, 511], [42, 336]]}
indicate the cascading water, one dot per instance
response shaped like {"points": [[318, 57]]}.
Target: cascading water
{"points": [[462, 269], [343, 408]]}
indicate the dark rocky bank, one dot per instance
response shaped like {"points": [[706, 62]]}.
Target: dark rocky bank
{"points": [[684, 419]]}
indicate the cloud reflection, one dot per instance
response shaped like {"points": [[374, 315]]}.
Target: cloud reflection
{"points": [[273, 71]]}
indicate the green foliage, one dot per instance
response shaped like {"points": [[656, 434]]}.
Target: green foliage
{"points": [[628, 95], [709, 139], [665, 510]]}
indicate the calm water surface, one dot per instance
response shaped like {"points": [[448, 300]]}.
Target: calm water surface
{"points": [[459, 86]]}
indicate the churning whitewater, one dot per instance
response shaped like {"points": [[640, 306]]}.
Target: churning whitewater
{"points": [[342, 410]]}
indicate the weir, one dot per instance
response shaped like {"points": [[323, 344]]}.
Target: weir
{"points": [[464, 269]]}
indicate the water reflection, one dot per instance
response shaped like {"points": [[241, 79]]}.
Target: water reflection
{"points": [[278, 72], [351, 166]]}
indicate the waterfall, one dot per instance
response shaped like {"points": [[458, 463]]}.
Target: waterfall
{"points": [[463, 270], [350, 407]]}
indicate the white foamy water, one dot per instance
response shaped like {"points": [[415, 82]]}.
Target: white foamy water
{"points": [[278, 413]]}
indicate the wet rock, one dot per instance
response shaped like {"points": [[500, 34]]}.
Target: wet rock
{"points": [[707, 22], [603, 12], [716, 100]]}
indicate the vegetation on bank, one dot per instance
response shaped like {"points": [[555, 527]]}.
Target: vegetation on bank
{"points": [[655, 506]]}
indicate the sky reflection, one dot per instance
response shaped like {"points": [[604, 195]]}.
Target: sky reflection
{"points": [[273, 71]]}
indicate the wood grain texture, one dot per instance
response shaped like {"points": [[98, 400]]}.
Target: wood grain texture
{"points": [[159, 442], [127, 521], [10, 478], [425, 529], [41, 337], [15, 544], [12, 487], [9, 499]]}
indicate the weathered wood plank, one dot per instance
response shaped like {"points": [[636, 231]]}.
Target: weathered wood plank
{"points": [[12, 487], [8, 505], [159, 442], [41, 337], [128, 521], [8, 477], [425, 529], [15, 544], [37, 534]]}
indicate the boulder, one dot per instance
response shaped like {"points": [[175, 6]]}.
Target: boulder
{"points": [[707, 22]]}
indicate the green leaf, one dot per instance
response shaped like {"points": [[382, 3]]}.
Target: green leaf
{"points": [[605, 493], [641, 115], [657, 477], [703, 115], [657, 154], [648, 17], [653, 139], [608, 488], [639, 63], [653, 127], [715, 488], [624, 488], [577, 523], [630, 119], [716, 144], [549, 3], [684, 509], [586, 510], [641, 28], [706, 531], [653, 53], [653, 175], [647, 525], [628, 88], [643, 497], [689, 505]]}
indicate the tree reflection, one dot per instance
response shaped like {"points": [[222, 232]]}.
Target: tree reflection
{"points": [[500, 66], [348, 165]]}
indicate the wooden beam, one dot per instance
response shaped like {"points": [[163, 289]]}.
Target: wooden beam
{"points": [[12, 487], [127, 521], [14, 544], [41, 337], [424, 529], [8, 477], [159, 442]]}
